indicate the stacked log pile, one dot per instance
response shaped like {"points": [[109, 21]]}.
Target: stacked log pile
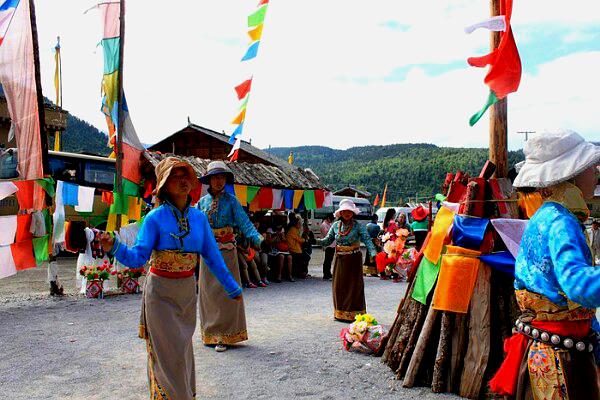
{"points": [[454, 352]]}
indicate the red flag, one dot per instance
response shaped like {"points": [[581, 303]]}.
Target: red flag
{"points": [[265, 198], [23, 255], [243, 88], [376, 202], [23, 227], [263, 2], [319, 198], [504, 75]]}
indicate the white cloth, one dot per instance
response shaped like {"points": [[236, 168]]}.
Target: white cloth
{"points": [[127, 235], [277, 199], [511, 232], [328, 200], [454, 207], [85, 199], [496, 24], [38, 224], [7, 189], [58, 218], [8, 230], [7, 263]]}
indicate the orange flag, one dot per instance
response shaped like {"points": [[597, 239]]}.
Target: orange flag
{"points": [[240, 118], [383, 197], [256, 33], [376, 202]]}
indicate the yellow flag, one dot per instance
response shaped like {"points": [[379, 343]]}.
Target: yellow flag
{"points": [[240, 118], [241, 192], [383, 197], [256, 33], [298, 197]]}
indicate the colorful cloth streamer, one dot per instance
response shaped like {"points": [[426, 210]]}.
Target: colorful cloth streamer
{"points": [[265, 198], [439, 232], [319, 198], [427, 274], [288, 199], [243, 88], [257, 17], [511, 231], [252, 192], [9, 229], [40, 249], [241, 193], [456, 280], [277, 199], [7, 262], [252, 51], [7, 189], [256, 33], [236, 133], [309, 200], [468, 231], [502, 261], [23, 255], [298, 194], [70, 194]]}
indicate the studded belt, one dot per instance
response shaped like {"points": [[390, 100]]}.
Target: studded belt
{"points": [[557, 341]]}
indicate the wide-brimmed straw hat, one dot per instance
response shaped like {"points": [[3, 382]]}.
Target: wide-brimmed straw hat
{"points": [[347, 205], [216, 168], [164, 168], [420, 213], [555, 157]]}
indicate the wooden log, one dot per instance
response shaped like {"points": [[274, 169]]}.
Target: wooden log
{"points": [[478, 351], [395, 328], [419, 352], [460, 336], [443, 355], [413, 331], [404, 333]]}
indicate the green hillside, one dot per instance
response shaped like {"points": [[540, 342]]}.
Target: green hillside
{"points": [[81, 137], [408, 169]]}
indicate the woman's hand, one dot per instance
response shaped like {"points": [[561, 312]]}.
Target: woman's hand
{"points": [[106, 241]]}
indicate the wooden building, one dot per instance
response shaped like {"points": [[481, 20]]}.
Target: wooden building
{"points": [[56, 120], [204, 143], [351, 191]]}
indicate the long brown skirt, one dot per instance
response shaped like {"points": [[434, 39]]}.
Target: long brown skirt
{"points": [[557, 374], [168, 323], [222, 320], [348, 287]]}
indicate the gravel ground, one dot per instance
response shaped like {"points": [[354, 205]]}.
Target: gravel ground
{"points": [[78, 348]]}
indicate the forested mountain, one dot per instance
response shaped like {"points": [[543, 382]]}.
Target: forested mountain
{"points": [[408, 169], [81, 137]]}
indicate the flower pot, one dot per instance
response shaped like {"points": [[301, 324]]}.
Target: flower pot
{"points": [[130, 285], [94, 289]]}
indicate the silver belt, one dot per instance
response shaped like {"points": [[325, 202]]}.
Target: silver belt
{"points": [[554, 340]]}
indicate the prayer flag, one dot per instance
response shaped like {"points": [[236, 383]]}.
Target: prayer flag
{"points": [[468, 231], [495, 24], [236, 133], [7, 189], [504, 75], [319, 198], [309, 200], [425, 281], [48, 185], [243, 88], [502, 261], [298, 198], [7, 262], [288, 199], [17, 76], [9, 229], [511, 232], [23, 228], [25, 194], [439, 231], [235, 150], [252, 51], [40, 249], [456, 280], [256, 33], [277, 199], [328, 200], [7, 11], [240, 118], [263, 2], [23, 255], [70, 194], [376, 202], [85, 199], [252, 192], [241, 193], [265, 198], [257, 17]]}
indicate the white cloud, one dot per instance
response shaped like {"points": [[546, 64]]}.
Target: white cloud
{"points": [[185, 60]]}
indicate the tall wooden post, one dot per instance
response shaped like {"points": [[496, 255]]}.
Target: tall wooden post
{"points": [[120, 114], [38, 87], [498, 115]]}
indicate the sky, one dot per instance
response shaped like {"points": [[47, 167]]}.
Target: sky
{"points": [[337, 73]]}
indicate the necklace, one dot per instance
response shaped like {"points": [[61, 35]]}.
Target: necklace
{"points": [[344, 232]]}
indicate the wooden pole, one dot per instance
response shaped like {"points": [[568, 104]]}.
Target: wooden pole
{"points": [[120, 114], [498, 115], [38, 87]]}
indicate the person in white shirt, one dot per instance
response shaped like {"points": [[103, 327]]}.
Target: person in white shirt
{"points": [[594, 237], [329, 250]]}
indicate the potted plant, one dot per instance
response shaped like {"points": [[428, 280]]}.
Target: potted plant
{"points": [[129, 278], [95, 277]]}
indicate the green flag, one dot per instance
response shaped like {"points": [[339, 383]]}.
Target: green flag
{"points": [[40, 249], [490, 101], [309, 200], [252, 191], [48, 185], [425, 281], [257, 17]]}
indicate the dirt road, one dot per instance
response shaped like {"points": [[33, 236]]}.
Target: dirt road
{"points": [[77, 348]]}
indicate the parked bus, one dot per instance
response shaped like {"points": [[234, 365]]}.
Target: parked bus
{"points": [[81, 169], [315, 217]]}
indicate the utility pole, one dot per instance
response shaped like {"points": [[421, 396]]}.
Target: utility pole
{"points": [[498, 114], [526, 134], [38, 86]]}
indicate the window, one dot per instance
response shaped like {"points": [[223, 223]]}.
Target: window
{"points": [[98, 173]]}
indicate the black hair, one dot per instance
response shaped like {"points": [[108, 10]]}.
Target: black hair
{"points": [[389, 215], [374, 218]]}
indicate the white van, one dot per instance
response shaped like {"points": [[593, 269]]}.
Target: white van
{"points": [[315, 217]]}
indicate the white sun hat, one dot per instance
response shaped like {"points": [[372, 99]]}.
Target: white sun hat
{"points": [[554, 157], [347, 204]]}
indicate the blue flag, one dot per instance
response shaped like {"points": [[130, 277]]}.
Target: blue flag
{"points": [[468, 232], [252, 51], [236, 133]]}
